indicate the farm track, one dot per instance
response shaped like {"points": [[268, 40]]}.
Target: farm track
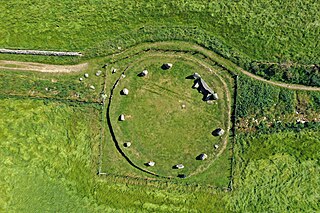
{"points": [[213, 56], [39, 67]]}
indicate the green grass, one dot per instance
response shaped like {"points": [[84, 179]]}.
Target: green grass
{"points": [[52, 85], [49, 163], [277, 172], [250, 34], [159, 129], [49, 160], [44, 149], [259, 29], [265, 104]]}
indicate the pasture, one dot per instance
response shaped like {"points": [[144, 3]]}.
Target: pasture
{"points": [[54, 135], [276, 40], [277, 172], [49, 157], [258, 29]]}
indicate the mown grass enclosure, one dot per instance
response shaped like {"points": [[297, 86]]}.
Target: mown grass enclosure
{"points": [[168, 122]]}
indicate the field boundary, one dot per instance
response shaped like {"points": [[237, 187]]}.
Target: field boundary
{"points": [[206, 66], [48, 99], [148, 181], [203, 38], [218, 58], [234, 131], [39, 52]]}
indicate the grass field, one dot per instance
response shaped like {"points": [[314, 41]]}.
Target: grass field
{"points": [[49, 148], [43, 154], [52, 85], [261, 105], [50, 165], [259, 29], [47, 167], [278, 172]]}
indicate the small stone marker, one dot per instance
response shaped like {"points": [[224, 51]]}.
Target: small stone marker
{"points": [[202, 156], [80, 79], [98, 73], [127, 144], [86, 75], [166, 66], [92, 87], [216, 146], [144, 73], [122, 118], [218, 132], [114, 70], [151, 163], [125, 91], [179, 166], [123, 75], [183, 106]]}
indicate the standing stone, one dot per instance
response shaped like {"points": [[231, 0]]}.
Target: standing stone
{"points": [[122, 118], [125, 91]]}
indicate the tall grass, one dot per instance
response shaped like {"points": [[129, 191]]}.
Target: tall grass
{"points": [[277, 172], [260, 29], [49, 163]]}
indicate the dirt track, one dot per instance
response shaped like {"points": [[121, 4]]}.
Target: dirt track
{"points": [[223, 61], [280, 84], [39, 67], [29, 66]]}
